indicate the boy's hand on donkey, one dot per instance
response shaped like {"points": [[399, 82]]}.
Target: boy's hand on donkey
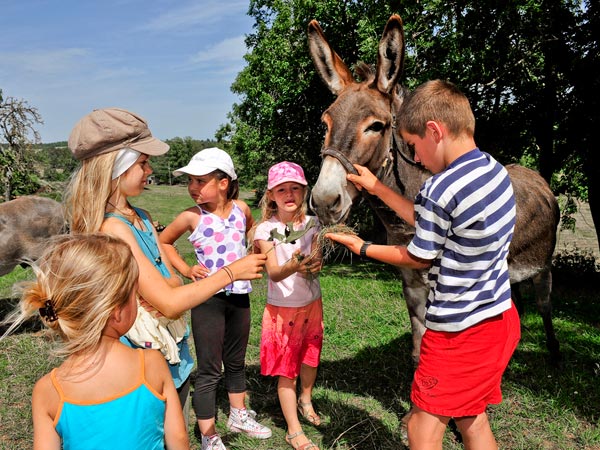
{"points": [[249, 267], [365, 179]]}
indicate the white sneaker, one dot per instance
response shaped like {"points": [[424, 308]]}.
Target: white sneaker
{"points": [[213, 442], [240, 421]]}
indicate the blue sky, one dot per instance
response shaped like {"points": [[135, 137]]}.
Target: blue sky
{"points": [[171, 61]]}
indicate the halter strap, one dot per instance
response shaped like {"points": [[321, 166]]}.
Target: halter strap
{"points": [[347, 164], [341, 158], [395, 147]]}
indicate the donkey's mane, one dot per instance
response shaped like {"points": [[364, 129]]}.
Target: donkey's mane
{"points": [[364, 71]]}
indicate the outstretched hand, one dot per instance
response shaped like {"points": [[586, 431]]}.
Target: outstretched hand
{"points": [[364, 179], [351, 241], [249, 267]]}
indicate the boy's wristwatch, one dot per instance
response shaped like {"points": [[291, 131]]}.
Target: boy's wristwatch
{"points": [[363, 248]]}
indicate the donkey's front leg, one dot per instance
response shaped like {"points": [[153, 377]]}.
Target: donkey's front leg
{"points": [[415, 290]]}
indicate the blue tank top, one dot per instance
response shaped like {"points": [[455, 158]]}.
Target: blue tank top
{"points": [[145, 239], [131, 420]]}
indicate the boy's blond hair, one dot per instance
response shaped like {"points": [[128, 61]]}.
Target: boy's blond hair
{"points": [[83, 278], [440, 101]]}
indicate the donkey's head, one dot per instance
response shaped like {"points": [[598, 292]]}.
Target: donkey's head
{"points": [[360, 121]]}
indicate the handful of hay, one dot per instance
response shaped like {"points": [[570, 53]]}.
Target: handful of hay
{"points": [[326, 246]]}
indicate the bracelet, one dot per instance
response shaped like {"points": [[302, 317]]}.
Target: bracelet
{"points": [[229, 272]]}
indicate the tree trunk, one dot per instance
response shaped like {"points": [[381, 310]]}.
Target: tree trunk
{"points": [[7, 184], [594, 198], [544, 132]]}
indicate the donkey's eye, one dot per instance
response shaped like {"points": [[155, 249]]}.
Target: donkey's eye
{"points": [[376, 127]]}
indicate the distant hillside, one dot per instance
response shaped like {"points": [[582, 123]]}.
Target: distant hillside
{"points": [[51, 145]]}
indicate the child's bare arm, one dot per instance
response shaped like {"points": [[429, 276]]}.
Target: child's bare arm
{"points": [[170, 234], [397, 255], [247, 213], [173, 280], [402, 206], [174, 301], [44, 404], [158, 375], [278, 271]]}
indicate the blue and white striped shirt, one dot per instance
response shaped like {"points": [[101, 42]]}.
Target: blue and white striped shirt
{"points": [[465, 217]]}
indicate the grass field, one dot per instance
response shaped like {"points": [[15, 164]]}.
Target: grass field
{"points": [[363, 385]]}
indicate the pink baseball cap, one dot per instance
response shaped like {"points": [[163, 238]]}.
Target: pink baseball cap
{"points": [[283, 172]]}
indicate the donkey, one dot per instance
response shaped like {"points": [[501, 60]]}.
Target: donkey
{"points": [[26, 223], [361, 129]]}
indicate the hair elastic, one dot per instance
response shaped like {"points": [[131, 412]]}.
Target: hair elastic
{"points": [[48, 313]]}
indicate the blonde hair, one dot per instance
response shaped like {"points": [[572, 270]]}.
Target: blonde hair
{"points": [[440, 101], [83, 278], [88, 192]]}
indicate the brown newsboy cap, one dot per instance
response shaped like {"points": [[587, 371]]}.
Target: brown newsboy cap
{"points": [[111, 129]]}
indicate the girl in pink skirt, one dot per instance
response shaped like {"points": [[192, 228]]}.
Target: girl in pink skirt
{"points": [[292, 327]]}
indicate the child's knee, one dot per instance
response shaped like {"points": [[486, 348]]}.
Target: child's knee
{"points": [[473, 425], [425, 430]]}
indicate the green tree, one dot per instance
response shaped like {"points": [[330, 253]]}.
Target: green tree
{"points": [[583, 117], [283, 98], [529, 68], [180, 152], [17, 133], [56, 161]]}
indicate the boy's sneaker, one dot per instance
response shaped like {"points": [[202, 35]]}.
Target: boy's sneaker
{"points": [[241, 422], [213, 442]]}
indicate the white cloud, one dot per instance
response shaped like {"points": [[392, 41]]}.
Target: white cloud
{"points": [[118, 73], [196, 14], [232, 49], [174, 64], [49, 62]]}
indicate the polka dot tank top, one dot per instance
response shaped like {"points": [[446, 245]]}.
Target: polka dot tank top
{"points": [[218, 242]]}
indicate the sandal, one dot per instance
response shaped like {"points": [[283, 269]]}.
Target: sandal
{"points": [[304, 408], [310, 445]]}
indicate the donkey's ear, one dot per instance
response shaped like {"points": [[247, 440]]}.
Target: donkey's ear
{"points": [[390, 55], [330, 67]]}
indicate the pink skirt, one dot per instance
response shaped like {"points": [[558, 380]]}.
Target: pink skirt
{"points": [[291, 337], [459, 374]]}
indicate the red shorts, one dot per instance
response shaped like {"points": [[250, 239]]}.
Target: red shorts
{"points": [[291, 337], [459, 373]]}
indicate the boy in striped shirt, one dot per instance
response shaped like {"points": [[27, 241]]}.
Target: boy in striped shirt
{"points": [[464, 218]]}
